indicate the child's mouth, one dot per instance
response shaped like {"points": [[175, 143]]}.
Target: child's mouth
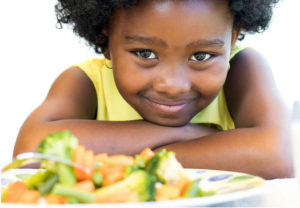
{"points": [[167, 108]]}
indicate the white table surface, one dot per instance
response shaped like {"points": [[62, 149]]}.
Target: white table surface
{"points": [[277, 193]]}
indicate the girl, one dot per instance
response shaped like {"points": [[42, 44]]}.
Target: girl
{"points": [[172, 77]]}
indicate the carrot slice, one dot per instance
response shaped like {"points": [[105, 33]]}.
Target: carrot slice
{"points": [[85, 186], [100, 158], [14, 192], [183, 183], [146, 153], [55, 199], [113, 178], [78, 158], [119, 160], [30, 197], [88, 162], [104, 195], [167, 192]]}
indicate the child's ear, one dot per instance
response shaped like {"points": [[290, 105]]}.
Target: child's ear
{"points": [[105, 51], [235, 35]]}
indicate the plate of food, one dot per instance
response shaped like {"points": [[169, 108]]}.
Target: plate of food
{"points": [[145, 180]]}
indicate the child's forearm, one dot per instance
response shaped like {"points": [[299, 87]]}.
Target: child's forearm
{"points": [[256, 151], [127, 137]]}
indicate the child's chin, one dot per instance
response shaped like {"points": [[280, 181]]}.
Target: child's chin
{"points": [[171, 122]]}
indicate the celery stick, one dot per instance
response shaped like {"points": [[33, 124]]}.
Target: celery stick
{"points": [[68, 191], [66, 174], [192, 190], [48, 184], [97, 179]]}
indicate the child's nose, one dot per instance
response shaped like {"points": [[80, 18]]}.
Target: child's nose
{"points": [[173, 82]]}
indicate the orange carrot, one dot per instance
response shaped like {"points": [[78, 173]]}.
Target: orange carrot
{"points": [[106, 170], [104, 195], [79, 159], [167, 192], [85, 186], [55, 199], [119, 160], [113, 178], [100, 158], [183, 183], [30, 197], [146, 153], [14, 192], [88, 162]]}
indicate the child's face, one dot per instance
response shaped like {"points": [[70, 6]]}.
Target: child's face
{"points": [[170, 58]]}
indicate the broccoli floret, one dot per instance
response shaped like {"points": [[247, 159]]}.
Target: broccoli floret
{"points": [[165, 167], [137, 187], [60, 144]]}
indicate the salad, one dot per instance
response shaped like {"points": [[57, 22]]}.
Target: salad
{"points": [[147, 176]]}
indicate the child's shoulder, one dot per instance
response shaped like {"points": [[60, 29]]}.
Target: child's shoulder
{"points": [[93, 63], [237, 49]]}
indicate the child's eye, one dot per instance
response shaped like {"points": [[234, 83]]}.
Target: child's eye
{"points": [[200, 56], [145, 54]]}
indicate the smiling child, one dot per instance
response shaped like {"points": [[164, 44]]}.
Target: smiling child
{"points": [[173, 77]]}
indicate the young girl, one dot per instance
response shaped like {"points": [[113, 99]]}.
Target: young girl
{"points": [[172, 77]]}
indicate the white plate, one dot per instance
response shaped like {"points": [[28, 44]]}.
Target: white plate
{"points": [[228, 186]]}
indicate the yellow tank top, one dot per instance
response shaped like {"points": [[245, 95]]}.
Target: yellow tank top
{"points": [[112, 106]]}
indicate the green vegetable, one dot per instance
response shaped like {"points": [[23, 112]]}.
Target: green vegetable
{"points": [[97, 179], [192, 190], [164, 166], [141, 162], [72, 200], [206, 193], [35, 180], [48, 184], [3, 192], [72, 194], [60, 144], [140, 183], [130, 169]]}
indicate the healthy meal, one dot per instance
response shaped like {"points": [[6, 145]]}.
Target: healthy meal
{"points": [[147, 176]]}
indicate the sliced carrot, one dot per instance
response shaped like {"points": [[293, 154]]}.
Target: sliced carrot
{"points": [[109, 195], [14, 192], [119, 160], [106, 170], [30, 197], [85, 186], [113, 178], [55, 199], [146, 153], [167, 192], [88, 163], [100, 158], [183, 183], [78, 158]]}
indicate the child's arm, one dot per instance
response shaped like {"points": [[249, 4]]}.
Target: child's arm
{"points": [[260, 143], [72, 103]]}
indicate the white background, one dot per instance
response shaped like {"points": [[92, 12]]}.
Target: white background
{"points": [[33, 53]]}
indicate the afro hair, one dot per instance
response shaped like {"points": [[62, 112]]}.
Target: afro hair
{"points": [[89, 17]]}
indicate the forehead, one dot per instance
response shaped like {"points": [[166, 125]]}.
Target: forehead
{"points": [[205, 16], [165, 9], [177, 18]]}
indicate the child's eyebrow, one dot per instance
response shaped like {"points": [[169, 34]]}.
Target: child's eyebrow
{"points": [[194, 44], [204, 43], [146, 40]]}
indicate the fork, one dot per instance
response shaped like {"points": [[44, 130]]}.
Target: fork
{"points": [[32, 157]]}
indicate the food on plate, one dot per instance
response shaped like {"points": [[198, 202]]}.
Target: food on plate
{"points": [[147, 176]]}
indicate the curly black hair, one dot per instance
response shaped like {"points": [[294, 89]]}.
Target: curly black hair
{"points": [[89, 17]]}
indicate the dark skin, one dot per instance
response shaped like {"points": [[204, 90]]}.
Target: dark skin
{"points": [[259, 145]]}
